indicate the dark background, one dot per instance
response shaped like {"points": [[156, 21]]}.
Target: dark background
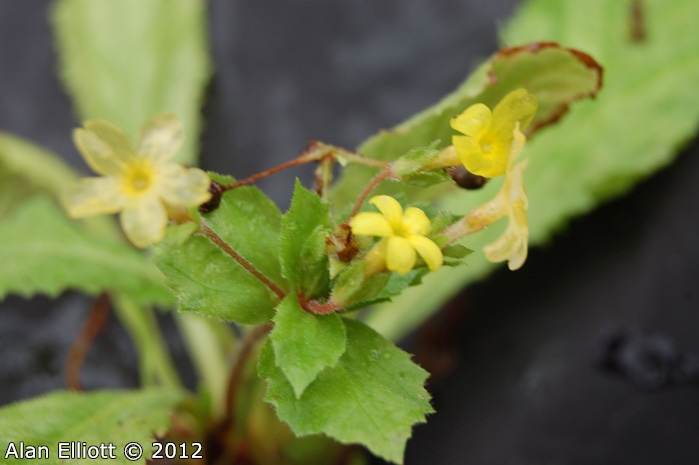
{"points": [[527, 389]]}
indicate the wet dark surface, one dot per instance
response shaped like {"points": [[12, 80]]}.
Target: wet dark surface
{"points": [[540, 379]]}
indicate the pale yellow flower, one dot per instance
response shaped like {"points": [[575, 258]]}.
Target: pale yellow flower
{"points": [[404, 236], [139, 182], [511, 201], [485, 145]]}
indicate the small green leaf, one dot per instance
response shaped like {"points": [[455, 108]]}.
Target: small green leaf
{"points": [[102, 417], [352, 289], [42, 251], [301, 241], [372, 396], [315, 280], [305, 344], [456, 251], [208, 281], [129, 60]]}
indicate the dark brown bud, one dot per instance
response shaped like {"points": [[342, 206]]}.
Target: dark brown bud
{"points": [[216, 190], [464, 178]]}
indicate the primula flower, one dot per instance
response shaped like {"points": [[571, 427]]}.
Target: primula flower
{"points": [[485, 145], [403, 236], [139, 182], [511, 201]]}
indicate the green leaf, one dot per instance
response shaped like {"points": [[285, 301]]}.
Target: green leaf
{"points": [[27, 170], [302, 243], [42, 251], [305, 344], [353, 290], [40, 169], [129, 60], [208, 281], [103, 417], [557, 76], [250, 223], [647, 110], [373, 395]]}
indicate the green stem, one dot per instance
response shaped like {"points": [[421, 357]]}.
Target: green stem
{"points": [[155, 363], [208, 351]]}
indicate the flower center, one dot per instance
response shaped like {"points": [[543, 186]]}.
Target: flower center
{"points": [[139, 178]]}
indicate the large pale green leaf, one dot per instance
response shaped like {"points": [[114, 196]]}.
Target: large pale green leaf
{"points": [[103, 417], [648, 108], [305, 344], [42, 251], [208, 281], [129, 60], [373, 395], [556, 75]]}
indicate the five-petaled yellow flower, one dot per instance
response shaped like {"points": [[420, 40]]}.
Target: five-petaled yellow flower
{"points": [[485, 145], [403, 236], [141, 183]]}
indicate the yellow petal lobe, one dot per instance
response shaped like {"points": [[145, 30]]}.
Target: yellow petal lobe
{"points": [[400, 255]]}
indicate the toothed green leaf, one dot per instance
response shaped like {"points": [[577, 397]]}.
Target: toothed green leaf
{"points": [[305, 344], [372, 396], [101, 417]]}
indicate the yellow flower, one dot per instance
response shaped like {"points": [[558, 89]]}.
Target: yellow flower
{"points": [[140, 183], [511, 201], [485, 145], [404, 236]]}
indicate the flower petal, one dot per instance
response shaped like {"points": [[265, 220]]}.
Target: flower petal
{"points": [[512, 245], [160, 138], [428, 250], [470, 152], [400, 255], [187, 187], [390, 208], [519, 106], [371, 224], [94, 196], [113, 137], [144, 222], [416, 222], [97, 153], [473, 121]]}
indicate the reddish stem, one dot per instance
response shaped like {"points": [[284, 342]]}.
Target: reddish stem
{"points": [[96, 319], [376, 180], [305, 158], [313, 306], [249, 267]]}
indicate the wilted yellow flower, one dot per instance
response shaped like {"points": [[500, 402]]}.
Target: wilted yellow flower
{"points": [[139, 182], [485, 146], [404, 236], [511, 201]]}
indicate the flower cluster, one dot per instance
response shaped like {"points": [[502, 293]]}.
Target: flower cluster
{"points": [[488, 146], [141, 183]]}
